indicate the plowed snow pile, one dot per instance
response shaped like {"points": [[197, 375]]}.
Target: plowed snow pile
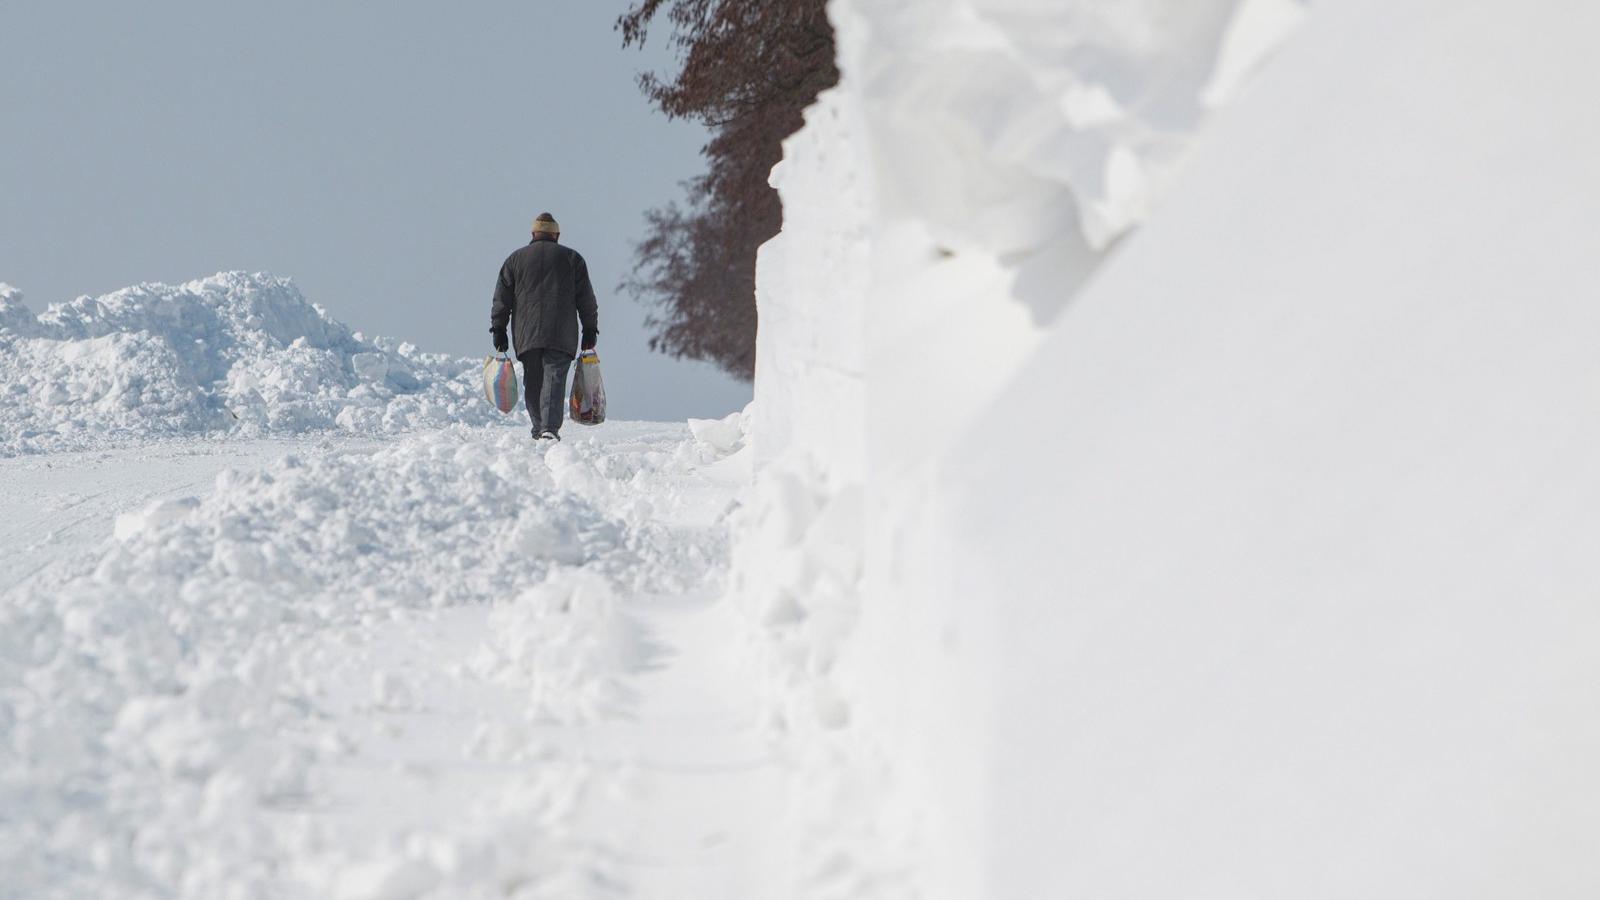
{"points": [[230, 354], [1189, 513]]}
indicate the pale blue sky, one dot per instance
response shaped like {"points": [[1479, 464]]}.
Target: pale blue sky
{"points": [[386, 156]]}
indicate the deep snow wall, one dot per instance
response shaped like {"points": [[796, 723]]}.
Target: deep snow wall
{"points": [[1315, 613], [974, 166], [1244, 554]]}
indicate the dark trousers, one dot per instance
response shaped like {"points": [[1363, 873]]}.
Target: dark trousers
{"points": [[544, 379]]}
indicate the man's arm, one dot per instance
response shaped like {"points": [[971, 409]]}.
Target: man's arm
{"points": [[588, 311], [505, 299]]}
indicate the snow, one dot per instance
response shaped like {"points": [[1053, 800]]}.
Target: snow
{"points": [[1217, 486], [809, 346], [725, 435], [1333, 600], [975, 166], [426, 667], [234, 354], [269, 628], [1169, 475]]}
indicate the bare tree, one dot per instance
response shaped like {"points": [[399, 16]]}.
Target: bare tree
{"points": [[748, 70]]}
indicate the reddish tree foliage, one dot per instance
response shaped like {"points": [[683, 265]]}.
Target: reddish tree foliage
{"points": [[749, 68]]}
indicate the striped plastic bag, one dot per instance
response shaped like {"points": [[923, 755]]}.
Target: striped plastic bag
{"points": [[588, 402], [500, 382]]}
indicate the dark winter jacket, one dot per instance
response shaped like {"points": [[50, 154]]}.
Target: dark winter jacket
{"points": [[544, 292]]}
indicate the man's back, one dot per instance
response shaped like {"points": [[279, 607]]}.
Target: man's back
{"points": [[544, 291]]}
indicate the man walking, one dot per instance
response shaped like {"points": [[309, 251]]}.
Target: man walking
{"points": [[544, 294]]}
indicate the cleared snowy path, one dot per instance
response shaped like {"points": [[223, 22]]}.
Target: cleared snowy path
{"points": [[454, 665]]}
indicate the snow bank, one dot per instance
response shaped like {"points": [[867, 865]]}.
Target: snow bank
{"points": [[1315, 605], [1241, 555], [809, 353], [233, 353], [973, 167]]}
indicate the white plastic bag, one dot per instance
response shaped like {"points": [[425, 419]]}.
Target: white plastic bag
{"points": [[588, 405]]}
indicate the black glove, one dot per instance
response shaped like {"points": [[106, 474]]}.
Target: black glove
{"points": [[588, 342], [500, 343]]}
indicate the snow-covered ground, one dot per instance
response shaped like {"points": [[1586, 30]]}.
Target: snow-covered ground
{"points": [[1148, 493], [456, 664], [289, 611]]}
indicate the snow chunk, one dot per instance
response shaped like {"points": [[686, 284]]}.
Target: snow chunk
{"points": [[370, 366], [723, 435], [131, 525]]}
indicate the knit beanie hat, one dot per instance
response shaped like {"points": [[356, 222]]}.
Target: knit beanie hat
{"points": [[546, 224]]}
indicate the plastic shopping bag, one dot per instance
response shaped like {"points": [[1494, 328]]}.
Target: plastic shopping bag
{"points": [[588, 406], [500, 382]]}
